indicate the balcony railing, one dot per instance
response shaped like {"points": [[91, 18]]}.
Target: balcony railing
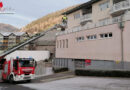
{"points": [[90, 26], [86, 17], [120, 7]]}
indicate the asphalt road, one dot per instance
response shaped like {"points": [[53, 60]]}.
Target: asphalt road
{"points": [[7, 86], [44, 79]]}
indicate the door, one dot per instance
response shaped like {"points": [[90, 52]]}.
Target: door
{"points": [[5, 71]]}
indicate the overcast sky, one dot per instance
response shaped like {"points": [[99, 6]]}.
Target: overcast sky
{"points": [[29, 10]]}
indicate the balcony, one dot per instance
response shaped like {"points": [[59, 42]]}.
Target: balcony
{"points": [[120, 7], [86, 18], [114, 20]]}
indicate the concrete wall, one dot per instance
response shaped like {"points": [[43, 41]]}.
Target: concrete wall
{"points": [[36, 55], [99, 49], [48, 48], [126, 36], [97, 14], [73, 22]]}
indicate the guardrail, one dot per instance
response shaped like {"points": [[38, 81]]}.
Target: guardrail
{"points": [[90, 26], [86, 17], [120, 6]]}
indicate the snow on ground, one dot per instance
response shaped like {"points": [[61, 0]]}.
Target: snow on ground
{"points": [[83, 83]]}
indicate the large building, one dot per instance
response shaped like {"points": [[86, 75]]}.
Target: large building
{"points": [[9, 39], [46, 43], [97, 37]]}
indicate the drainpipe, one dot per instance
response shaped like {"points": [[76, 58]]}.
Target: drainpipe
{"points": [[121, 26]]}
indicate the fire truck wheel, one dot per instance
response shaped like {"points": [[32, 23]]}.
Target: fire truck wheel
{"points": [[11, 80], [28, 81], [3, 80]]}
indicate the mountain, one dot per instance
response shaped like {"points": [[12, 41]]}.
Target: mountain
{"points": [[45, 22], [8, 28]]}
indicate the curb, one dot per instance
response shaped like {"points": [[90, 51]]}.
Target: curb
{"points": [[58, 78]]}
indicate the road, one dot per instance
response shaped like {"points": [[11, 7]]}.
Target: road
{"points": [[68, 81], [83, 83], [73, 83], [6, 86]]}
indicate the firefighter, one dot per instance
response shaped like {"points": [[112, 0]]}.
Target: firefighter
{"points": [[64, 19]]}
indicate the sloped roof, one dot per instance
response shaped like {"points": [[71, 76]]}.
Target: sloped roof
{"points": [[19, 33], [86, 5], [15, 33], [5, 33]]}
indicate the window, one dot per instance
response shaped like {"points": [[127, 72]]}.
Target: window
{"points": [[60, 43], [104, 6], [110, 34], [66, 43], [104, 21], [80, 38], [77, 15], [57, 44], [106, 35], [92, 37], [63, 43]]}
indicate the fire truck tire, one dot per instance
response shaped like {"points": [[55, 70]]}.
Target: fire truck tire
{"points": [[11, 80], [28, 81], [3, 80]]}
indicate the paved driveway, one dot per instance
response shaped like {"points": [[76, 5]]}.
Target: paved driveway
{"points": [[83, 83]]}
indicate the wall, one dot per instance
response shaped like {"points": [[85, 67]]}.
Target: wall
{"points": [[99, 49], [97, 14], [73, 22], [37, 55], [126, 36], [48, 48]]}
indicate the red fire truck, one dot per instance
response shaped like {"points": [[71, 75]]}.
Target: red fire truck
{"points": [[19, 69]]}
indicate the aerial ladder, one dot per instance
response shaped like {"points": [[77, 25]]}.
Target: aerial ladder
{"points": [[21, 44], [17, 72]]}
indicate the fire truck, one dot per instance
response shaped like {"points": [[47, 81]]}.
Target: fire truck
{"points": [[19, 69]]}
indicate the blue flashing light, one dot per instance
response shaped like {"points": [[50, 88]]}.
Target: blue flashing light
{"points": [[17, 57]]}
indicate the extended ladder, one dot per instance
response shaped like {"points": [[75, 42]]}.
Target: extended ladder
{"points": [[3, 54]]}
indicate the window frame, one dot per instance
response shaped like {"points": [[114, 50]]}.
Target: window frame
{"points": [[105, 5]]}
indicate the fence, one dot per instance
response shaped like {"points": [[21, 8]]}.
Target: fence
{"points": [[40, 69]]}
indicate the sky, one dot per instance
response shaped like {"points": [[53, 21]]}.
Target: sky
{"points": [[30, 10]]}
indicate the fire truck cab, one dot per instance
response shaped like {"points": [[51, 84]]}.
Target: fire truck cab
{"points": [[19, 69]]}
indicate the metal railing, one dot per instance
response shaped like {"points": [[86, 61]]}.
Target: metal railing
{"points": [[86, 17], [120, 6], [90, 26]]}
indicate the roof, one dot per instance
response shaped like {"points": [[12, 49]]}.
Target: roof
{"points": [[14, 33], [86, 5], [19, 33]]}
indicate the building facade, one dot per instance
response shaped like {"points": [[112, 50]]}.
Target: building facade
{"points": [[9, 39], [97, 37], [46, 43]]}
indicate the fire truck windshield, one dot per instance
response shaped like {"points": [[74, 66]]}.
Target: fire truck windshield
{"points": [[26, 63]]}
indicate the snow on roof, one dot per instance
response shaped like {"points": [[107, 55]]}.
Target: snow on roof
{"points": [[19, 33], [15, 33]]}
